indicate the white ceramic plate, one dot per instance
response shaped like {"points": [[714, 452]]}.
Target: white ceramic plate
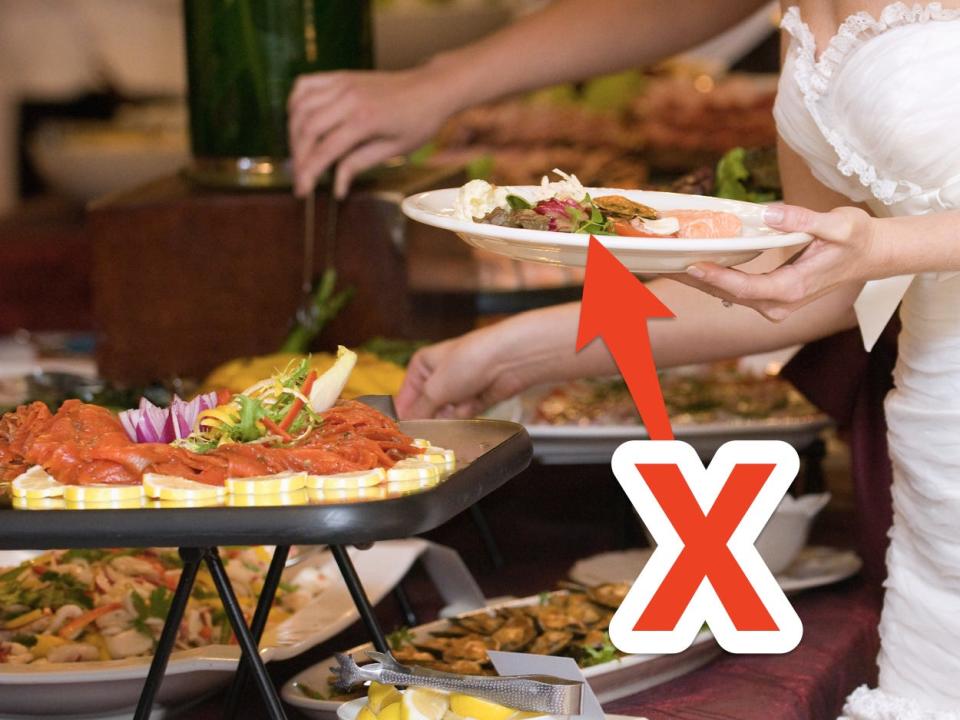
{"points": [[99, 689], [815, 566], [610, 681], [640, 255]]}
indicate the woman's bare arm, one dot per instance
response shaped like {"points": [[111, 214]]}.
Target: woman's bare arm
{"points": [[362, 118]]}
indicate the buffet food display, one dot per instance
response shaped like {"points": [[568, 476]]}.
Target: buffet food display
{"points": [[283, 434], [84, 605]]}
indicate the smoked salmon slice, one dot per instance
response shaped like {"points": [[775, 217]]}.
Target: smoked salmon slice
{"points": [[705, 223]]}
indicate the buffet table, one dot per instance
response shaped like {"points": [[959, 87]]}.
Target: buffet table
{"points": [[836, 655]]}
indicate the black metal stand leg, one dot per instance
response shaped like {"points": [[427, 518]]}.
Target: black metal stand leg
{"points": [[158, 666], [359, 596], [486, 535], [409, 616], [257, 625], [248, 645]]}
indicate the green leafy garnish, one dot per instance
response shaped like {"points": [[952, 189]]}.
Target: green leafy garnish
{"points": [[518, 203], [733, 176], [400, 637], [598, 656]]}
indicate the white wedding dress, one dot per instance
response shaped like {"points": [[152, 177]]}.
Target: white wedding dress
{"points": [[876, 116]]}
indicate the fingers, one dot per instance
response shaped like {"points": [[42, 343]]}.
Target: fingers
{"points": [[334, 145], [785, 285], [306, 85], [313, 118], [364, 157], [837, 225]]}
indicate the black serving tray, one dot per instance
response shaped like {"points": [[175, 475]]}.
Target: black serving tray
{"points": [[489, 452]]}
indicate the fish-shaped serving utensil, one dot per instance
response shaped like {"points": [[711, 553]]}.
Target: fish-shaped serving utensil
{"points": [[534, 693]]}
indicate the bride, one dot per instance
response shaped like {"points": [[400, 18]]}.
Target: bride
{"points": [[868, 101]]}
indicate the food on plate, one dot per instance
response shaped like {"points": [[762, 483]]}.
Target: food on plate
{"points": [[386, 702], [372, 375], [571, 622], [69, 606], [722, 394], [265, 440], [566, 206]]}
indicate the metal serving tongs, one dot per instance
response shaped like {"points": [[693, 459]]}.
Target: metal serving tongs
{"points": [[534, 693], [319, 304]]}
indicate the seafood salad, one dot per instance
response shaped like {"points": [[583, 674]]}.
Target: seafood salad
{"points": [[69, 606], [566, 206], [571, 622], [289, 423], [719, 393]]}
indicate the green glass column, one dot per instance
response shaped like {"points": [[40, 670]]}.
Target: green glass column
{"points": [[242, 59]]}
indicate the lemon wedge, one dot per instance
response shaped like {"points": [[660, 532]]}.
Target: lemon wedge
{"points": [[347, 480], [421, 443], [267, 484], [469, 706], [438, 456], [391, 711], [412, 470], [366, 713], [98, 493], [380, 695], [296, 497], [173, 487], [35, 483], [422, 704]]}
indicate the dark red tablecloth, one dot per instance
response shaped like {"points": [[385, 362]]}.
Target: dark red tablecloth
{"points": [[836, 655]]}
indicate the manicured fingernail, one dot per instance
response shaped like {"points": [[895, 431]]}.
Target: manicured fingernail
{"points": [[696, 272], [773, 215]]}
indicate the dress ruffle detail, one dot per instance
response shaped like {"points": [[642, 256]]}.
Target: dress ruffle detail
{"points": [[866, 704], [813, 77]]}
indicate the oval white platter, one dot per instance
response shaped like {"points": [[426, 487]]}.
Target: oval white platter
{"points": [[102, 689], [638, 254], [610, 681]]}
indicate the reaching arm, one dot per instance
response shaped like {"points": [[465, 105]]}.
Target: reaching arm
{"points": [[362, 118]]}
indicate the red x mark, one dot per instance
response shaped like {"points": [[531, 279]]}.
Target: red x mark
{"points": [[705, 553]]}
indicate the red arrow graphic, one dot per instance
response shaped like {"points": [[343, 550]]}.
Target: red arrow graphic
{"points": [[616, 307]]}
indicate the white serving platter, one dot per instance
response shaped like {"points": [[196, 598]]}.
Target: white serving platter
{"points": [[610, 681]]}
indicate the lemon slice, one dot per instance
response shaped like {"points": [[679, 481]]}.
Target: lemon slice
{"points": [[347, 480], [438, 456], [174, 487], [412, 470], [422, 704], [406, 486], [123, 504], [421, 443], [35, 483], [102, 493], [47, 503], [380, 696], [185, 503], [376, 492], [295, 497], [469, 706], [267, 484]]}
